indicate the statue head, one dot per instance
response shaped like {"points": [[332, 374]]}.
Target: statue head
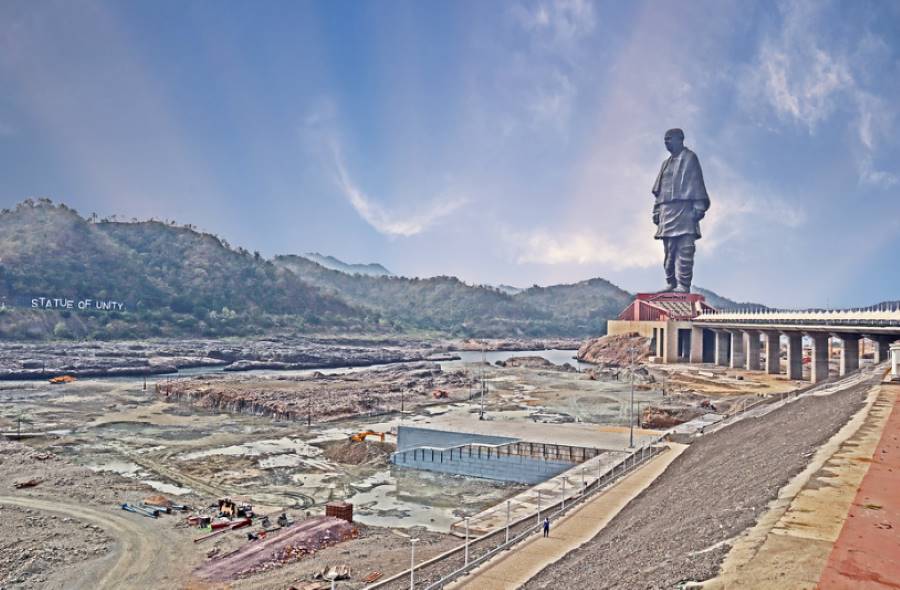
{"points": [[674, 140]]}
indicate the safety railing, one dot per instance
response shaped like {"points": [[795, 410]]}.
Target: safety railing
{"points": [[437, 572]]}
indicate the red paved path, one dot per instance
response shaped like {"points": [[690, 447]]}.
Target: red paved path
{"points": [[866, 555]]}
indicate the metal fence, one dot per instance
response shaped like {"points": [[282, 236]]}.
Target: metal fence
{"points": [[443, 569]]}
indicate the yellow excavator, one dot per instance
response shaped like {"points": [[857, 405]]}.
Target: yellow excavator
{"points": [[361, 436]]}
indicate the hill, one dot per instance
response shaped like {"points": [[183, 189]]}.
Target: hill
{"points": [[65, 276], [443, 303], [720, 302], [448, 305], [164, 280], [372, 269]]}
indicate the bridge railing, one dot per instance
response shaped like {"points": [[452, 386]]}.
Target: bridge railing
{"points": [[878, 317]]}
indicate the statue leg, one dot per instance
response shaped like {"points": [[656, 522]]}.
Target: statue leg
{"points": [[670, 247], [684, 266]]}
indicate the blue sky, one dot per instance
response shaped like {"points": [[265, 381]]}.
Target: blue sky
{"points": [[502, 142]]}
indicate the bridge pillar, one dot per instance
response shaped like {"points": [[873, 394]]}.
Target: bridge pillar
{"points": [[795, 356], [849, 353], [737, 349], [882, 349], [752, 348], [723, 342], [819, 358], [696, 346], [773, 353]]}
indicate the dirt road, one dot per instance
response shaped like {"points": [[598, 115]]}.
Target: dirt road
{"points": [[680, 528], [141, 556]]}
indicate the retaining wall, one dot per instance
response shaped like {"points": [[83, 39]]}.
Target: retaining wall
{"points": [[505, 460], [409, 437]]}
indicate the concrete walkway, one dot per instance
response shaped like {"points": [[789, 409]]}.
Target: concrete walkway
{"points": [[825, 516], [545, 494], [867, 552], [513, 568]]}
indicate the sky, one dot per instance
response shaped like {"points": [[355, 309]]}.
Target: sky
{"points": [[500, 142]]}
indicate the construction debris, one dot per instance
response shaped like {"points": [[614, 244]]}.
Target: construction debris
{"points": [[26, 483], [372, 576], [306, 537], [151, 513], [333, 572]]}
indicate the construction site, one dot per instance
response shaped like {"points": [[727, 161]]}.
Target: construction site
{"points": [[275, 479]]}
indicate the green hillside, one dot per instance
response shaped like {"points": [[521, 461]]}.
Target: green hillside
{"points": [[447, 304], [443, 304], [160, 279], [172, 280]]}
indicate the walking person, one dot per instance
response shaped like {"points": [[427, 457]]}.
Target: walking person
{"points": [[546, 527]]}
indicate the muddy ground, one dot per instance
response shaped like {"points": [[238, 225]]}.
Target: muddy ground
{"points": [[126, 441]]}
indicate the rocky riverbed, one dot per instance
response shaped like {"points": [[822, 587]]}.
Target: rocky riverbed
{"points": [[42, 360], [320, 397]]}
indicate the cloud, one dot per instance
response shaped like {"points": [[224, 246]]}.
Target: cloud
{"points": [[880, 178], [804, 76], [546, 78], [559, 22], [542, 246], [387, 222]]}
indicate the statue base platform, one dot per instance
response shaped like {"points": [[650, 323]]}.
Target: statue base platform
{"points": [[657, 307]]}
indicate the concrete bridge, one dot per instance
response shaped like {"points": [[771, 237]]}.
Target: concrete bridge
{"points": [[737, 338], [683, 328]]}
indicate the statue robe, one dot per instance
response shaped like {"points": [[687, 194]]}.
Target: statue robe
{"points": [[681, 197]]}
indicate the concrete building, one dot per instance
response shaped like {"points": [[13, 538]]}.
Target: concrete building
{"points": [[665, 318]]}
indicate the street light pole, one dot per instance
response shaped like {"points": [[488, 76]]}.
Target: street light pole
{"points": [[508, 502], [632, 350], [467, 541], [412, 564]]}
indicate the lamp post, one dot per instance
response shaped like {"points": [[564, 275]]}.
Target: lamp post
{"points": [[632, 350], [412, 563], [467, 541], [508, 502]]}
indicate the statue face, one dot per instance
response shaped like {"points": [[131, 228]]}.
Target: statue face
{"points": [[674, 142]]}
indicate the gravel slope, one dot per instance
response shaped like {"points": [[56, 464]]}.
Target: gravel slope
{"points": [[679, 528]]}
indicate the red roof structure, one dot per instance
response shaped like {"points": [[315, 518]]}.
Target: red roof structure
{"points": [[661, 307]]}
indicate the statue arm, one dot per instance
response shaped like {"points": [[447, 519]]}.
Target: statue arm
{"points": [[701, 197]]}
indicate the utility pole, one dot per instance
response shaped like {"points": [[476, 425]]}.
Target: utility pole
{"points": [[467, 541], [412, 564], [483, 363], [507, 520], [632, 350]]}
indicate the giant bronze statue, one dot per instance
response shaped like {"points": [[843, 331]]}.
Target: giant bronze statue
{"points": [[681, 202]]}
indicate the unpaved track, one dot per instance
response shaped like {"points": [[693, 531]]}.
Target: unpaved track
{"points": [[679, 529], [142, 557]]}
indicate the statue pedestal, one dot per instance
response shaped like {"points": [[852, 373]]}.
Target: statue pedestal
{"points": [[665, 306], [667, 320]]}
